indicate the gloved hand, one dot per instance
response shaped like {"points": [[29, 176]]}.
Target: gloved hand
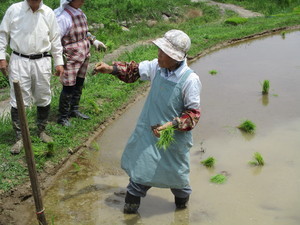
{"points": [[99, 45]]}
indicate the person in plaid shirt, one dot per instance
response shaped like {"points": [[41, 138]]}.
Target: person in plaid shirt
{"points": [[173, 100], [76, 41]]}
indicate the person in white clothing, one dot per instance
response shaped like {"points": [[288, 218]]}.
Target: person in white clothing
{"points": [[31, 30]]}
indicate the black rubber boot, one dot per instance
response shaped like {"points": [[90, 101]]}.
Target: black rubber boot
{"points": [[42, 120], [17, 128], [74, 110], [132, 203], [181, 203], [64, 106]]}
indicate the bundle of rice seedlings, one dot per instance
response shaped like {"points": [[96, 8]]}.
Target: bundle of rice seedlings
{"points": [[166, 138], [258, 160], [265, 87], [209, 162], [218, 179], [247, 126], [213, 72]]}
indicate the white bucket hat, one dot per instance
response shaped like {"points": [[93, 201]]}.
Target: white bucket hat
{"points": [[175, 43]]}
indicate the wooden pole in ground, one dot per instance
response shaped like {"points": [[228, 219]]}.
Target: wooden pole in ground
{"points": [[29, 155]]}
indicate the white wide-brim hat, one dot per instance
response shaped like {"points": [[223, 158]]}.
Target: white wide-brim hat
{"points": [[175, 43]]}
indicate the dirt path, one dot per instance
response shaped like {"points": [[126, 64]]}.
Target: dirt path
{"points": [[239, 10]]}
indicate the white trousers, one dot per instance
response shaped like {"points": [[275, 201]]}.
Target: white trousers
{"points": [[34, 78]]}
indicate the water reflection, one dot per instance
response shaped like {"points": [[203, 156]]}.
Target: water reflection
{"points": [[265, 100]]}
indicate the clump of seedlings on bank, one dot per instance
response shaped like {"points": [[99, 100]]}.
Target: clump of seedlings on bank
{"points": [[213, 72], [265, 87], [209, 162], [166, 138], [247, 126], [218, 179], [258, 160]]}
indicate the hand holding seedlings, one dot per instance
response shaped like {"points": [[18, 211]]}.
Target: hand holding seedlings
{"points": [[157, 128], [102, 67]]}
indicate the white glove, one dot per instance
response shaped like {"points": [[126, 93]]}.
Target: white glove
{"points": [[99, 45]]}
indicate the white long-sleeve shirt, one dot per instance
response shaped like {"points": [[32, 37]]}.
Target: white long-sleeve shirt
{"points": [[65, 20], [30, 32], [191, 88]]}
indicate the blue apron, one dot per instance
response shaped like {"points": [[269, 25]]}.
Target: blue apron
{"points": [[142, 160]]}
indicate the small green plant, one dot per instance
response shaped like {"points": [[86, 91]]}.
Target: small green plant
{"points": [[50, 149], [209, 162], [265, 87], [213, 72], [166, 138], [247, 126], [218, 179], [236, 20], [283, 34], [76, 167], [258, 160]]}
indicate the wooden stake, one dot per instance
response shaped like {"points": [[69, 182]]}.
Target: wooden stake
{"points": [[29, 155]]}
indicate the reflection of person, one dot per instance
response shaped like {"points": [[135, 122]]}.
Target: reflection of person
{"points": [[31, 29], [76, 47], [174, 100]]}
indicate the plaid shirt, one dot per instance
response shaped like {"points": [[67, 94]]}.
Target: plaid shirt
{"points": [[76, 49], [129, 73]]}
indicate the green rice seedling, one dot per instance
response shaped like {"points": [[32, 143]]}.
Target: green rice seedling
{"points": [[76, 167], [265, 87], [96, 146], [283, 34], [258, 160], [218, 179], [209, 162], [166, 138], [213, 72], [247, 126]]}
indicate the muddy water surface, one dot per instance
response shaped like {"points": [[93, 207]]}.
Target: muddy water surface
{"points": [[92, 191]]}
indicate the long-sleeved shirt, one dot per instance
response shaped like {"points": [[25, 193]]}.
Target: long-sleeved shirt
{"points": [[65, 20], [30, 32], [146, 70]]}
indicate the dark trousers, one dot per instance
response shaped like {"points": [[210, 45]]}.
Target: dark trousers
{"points": [[140, 190]]}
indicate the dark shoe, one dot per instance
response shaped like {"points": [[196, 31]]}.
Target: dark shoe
{"points": [[64, 107], [64, 122], [132, 204], [79, 115], [16, 148], [131, 208], [74, 105], [42, 120], [181, 202], [45, 137]]}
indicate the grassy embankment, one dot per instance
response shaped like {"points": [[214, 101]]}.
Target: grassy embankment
{"points": [[104, 94]]}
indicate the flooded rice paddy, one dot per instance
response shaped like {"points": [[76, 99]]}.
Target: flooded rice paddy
{"points": [[92, 191]]}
